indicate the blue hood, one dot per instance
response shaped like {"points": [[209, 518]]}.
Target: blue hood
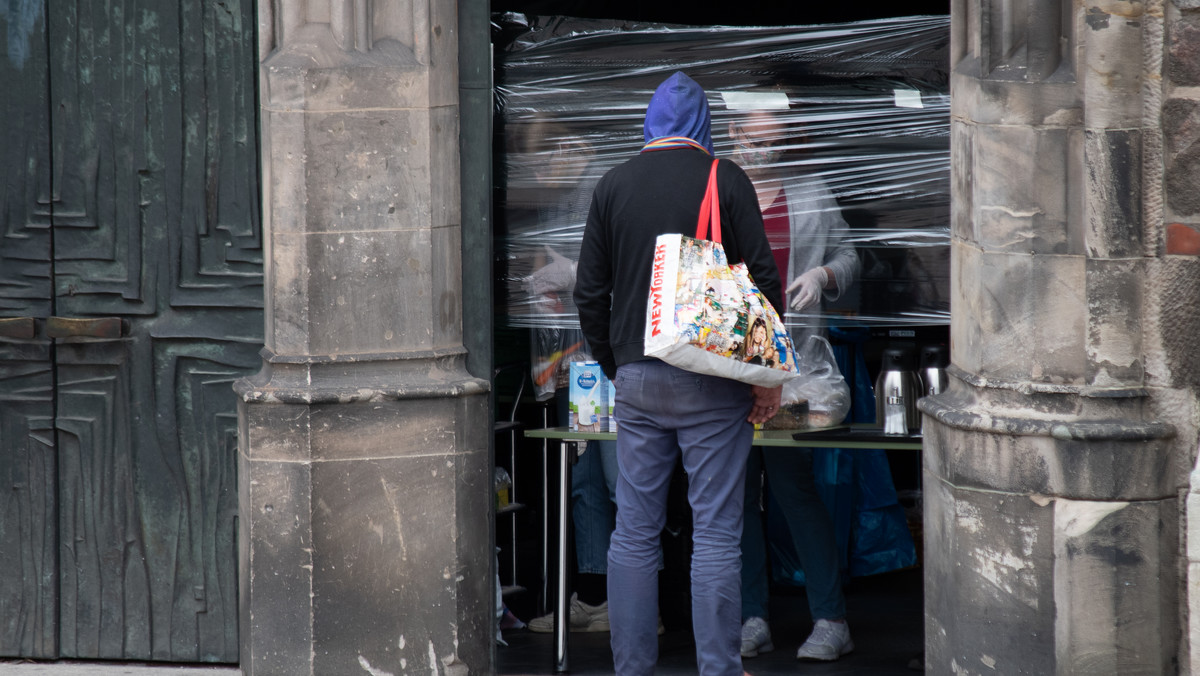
{"points": [[679, 108]]}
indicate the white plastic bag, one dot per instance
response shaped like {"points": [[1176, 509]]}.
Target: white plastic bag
{"points": [[820, 383]]}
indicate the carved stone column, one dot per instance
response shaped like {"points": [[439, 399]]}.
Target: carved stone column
{"points": [[1051, 482], [1180, 280], [365, 477]]}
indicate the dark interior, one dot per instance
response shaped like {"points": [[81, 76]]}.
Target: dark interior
{"points": [[885, 610]]}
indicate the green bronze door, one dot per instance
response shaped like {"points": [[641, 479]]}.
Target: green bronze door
{"points": [[130, 300]]}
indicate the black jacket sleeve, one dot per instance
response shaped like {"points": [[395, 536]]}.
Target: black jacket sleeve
{"points": [[594, 285]]}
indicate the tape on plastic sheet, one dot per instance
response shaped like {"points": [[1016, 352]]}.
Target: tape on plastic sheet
{"points": [[755, 100], [908, 98]]}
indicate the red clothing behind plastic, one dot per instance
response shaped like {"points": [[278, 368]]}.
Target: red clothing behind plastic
{"points": [[779, 234]]}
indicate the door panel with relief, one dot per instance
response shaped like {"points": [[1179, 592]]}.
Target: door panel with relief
{"points": [[132, 298]]}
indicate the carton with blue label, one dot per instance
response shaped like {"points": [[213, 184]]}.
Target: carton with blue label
{"points": [[591, 401]]}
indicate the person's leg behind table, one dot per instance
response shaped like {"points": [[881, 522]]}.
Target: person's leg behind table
{"points": [[608, 463], [592, 512], [756, 634], [715, 443], [593, 509], [792, 484], [646, 452], [592, 515], [596, 514]]}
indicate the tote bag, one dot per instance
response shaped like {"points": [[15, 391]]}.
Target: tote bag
{"points": [[707, 316]]}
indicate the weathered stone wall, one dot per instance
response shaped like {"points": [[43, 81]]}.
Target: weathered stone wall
{"points": [[1177, 286], [365, 474], [1056, 460]]}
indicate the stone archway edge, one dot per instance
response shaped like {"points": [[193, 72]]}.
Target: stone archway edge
{"points": [[422, 374], [1025, 387], [1099, 430], [954, 411]]}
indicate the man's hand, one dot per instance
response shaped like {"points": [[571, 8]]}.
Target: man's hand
{"points": [[554, 277], [766, 403], [807, 288]]}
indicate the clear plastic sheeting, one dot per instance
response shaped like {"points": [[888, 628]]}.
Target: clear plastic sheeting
{"points": [[844, 128]]}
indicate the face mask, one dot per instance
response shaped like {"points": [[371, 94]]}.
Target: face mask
{"points": [[751, 156]]}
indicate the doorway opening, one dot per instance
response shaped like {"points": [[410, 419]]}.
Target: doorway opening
{"points": [[557, 131]]}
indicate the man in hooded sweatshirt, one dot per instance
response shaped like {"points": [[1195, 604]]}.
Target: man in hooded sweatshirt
{"points": [[665, 413]]}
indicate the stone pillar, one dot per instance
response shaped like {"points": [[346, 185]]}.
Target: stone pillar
{"points": [[1052, 477], [365, 476], [1180, 278]]}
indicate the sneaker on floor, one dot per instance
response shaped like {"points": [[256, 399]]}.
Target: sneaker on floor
{"points": [[583, 618], [756, 637], [828, 641]]}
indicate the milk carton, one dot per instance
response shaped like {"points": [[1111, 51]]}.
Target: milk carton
{"points": [[589, 397]]}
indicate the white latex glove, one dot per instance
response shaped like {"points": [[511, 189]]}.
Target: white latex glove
{"points": [[556, 276], [806, 289]]}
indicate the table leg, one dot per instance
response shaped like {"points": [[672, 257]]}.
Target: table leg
{"points": [[544, 595], [562, 617]]}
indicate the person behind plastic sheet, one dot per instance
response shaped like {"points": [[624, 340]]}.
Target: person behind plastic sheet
{"points": [[563, 163], [665, 413], [807, 234]]}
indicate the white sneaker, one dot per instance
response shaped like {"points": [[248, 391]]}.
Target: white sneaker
{"points": [[583, 618], [828, 641], [756, 637]]}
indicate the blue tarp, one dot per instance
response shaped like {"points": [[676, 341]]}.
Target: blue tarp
{"points": [[857, 488]]}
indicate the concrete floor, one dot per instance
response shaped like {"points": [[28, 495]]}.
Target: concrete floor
{"points": [[885, 612], [886, 615]]}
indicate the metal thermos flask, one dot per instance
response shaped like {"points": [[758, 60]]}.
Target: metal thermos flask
{"points": [[896, 390], [934, 360]]}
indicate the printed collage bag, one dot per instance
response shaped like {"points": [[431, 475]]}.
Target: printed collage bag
{"points": [[707, 316]]}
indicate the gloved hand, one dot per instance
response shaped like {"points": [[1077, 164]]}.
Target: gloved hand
{"points": [[806, 288], [556, 276]]}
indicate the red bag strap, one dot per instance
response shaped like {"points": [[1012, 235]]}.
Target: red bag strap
{"points": [[710, 209]]}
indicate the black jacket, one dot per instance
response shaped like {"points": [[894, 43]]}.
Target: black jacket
{"points": [[655, 193]]}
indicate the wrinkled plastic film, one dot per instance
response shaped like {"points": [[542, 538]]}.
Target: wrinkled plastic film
{"points": [[857, 111]]}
